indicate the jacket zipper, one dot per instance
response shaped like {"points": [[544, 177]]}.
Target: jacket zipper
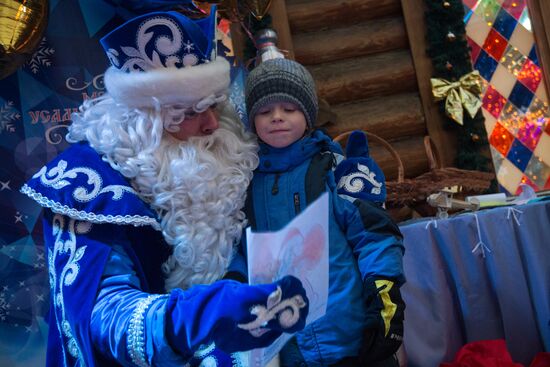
{"points": [[275, 188], [297, 203]]}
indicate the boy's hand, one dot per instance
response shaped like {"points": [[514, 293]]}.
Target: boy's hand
{"points": [[385, 316], [358, 175]]}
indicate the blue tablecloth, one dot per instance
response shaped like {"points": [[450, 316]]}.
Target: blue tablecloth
{"points": [[478, 276]]}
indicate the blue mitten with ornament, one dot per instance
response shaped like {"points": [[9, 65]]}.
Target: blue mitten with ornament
{"points": [[234, 316], [358, 176]]}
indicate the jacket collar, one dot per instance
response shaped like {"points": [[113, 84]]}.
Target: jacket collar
{"points": [[283, 159]]}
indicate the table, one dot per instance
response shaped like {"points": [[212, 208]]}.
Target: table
{"points": [[476, 276]]}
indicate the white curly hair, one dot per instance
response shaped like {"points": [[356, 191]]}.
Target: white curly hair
{"points": [[197, 186]]}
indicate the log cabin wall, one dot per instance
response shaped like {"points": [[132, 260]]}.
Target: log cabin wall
{"points": [[359, 54]]}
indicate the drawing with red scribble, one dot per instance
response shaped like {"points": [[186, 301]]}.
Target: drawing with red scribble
{"points": [[299, 249]]}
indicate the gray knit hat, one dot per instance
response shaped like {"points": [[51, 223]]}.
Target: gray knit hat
{"points": [[281, 80]]}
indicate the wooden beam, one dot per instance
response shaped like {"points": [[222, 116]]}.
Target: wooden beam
{"points": [[365, 77], [279, 21], [445, 140], [391, 117], [238, 40], [412, 154], [539, 11], [370, 37], [308, 15]]}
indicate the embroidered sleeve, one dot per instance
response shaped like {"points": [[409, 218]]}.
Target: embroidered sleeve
{"points": [[127, 324], [136, 330]]}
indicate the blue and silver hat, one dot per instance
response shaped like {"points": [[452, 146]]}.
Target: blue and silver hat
{"points": [[165, 57]]}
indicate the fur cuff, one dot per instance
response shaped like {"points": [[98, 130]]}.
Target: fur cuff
{"points": [[185, 86]]}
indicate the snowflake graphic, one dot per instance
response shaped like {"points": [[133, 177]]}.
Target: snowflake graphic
{"points": [[4, 308], [188, 46], [41, 57], [236, 97], [8, 115]]}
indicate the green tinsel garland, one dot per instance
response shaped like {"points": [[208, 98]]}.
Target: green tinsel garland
{"points": [[450, 54]]}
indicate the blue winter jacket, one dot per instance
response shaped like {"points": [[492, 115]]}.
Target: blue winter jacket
{"points": [[363, 241]]}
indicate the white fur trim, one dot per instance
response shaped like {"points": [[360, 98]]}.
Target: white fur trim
{"points": [[185, 86]]}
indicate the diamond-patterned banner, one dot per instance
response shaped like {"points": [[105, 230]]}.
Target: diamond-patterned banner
{"points": [[515, 102]]}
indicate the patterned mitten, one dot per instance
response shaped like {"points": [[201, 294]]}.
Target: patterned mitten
{"points": [[358, 175], [234, 316]]}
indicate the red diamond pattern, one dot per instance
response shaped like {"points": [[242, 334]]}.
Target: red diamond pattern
{"points": [[493, 101], [530, 75], [514, 7], [495, 44], [517, 133], [501, 139]]}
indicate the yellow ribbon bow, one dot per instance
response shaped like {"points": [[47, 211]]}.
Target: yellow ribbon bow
{"points": [[462, 94]]}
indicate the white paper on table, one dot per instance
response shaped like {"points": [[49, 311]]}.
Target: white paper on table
{"points": [[299, 249]]}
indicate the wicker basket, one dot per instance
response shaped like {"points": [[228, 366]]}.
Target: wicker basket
{"points": [[407, 196]]}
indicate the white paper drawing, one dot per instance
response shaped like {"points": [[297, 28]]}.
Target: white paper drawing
{"points": [[299, 249]]}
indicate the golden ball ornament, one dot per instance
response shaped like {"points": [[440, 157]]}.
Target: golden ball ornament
{"points": [[22, 25], [446, 4], [475, 137]]}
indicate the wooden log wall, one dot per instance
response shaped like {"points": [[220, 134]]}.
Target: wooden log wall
{"points": [[358, 53]]}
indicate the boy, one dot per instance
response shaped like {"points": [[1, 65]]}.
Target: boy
{"points": [[363, 324]]}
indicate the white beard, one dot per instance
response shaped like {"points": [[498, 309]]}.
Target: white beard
{"points": [[198, 188]]}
